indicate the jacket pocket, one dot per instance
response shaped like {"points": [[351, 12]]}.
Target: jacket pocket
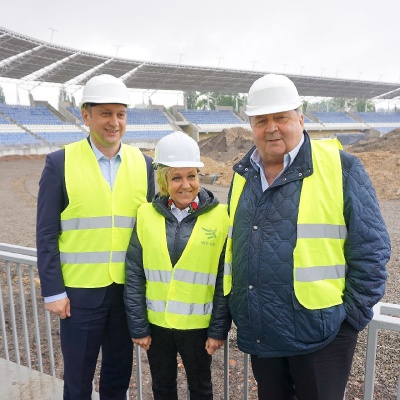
{"points": [[313, 326]]}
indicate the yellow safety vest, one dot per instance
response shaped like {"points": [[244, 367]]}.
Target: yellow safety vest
{"points": [[319, 263], [181, 297], [97, 224]]}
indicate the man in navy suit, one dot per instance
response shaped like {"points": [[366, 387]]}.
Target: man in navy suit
{"points": [[88, 197]]}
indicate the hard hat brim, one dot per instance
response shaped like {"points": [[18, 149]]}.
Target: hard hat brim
{"points": [[183, 164], [272, 109]]}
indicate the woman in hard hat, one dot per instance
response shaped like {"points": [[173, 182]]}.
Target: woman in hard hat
{"points": [[174, 273]]}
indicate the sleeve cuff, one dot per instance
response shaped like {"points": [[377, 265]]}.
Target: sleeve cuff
{"points": [[56, 297]]}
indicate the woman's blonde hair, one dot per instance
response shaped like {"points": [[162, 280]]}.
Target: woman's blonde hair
{"points": [[162, 173]]}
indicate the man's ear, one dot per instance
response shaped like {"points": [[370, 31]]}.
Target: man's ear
{"points": [[85, 116], [301, 119]]}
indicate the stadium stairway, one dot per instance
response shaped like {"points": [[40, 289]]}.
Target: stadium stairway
{"points": [[19, 382]]}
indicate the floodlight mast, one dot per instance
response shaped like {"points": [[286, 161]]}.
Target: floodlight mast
{"points": [[52, 34]]}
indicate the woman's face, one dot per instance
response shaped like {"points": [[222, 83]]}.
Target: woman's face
{"points": [[183, 185]]}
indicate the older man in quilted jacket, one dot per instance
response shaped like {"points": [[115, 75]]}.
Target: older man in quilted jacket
{"points": [[307, 253]]}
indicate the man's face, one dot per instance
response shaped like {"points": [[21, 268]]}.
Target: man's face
{"points": [[107, 124], [276, 134]]}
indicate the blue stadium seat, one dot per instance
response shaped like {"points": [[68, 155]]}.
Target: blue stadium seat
{"points": [[380, 117], [334, 117], [208, 117]]}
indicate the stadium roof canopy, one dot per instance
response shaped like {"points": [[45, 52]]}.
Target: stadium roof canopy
{"points": [[28, 59]]}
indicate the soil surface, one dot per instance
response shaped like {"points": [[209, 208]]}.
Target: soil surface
{"points": [[19, 176]]}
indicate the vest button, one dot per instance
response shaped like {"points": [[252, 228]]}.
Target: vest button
{"points": [[250, 287], [255, 227], [258, 341]]}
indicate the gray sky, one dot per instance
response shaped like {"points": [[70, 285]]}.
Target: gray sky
{"points": [[347, 39]]}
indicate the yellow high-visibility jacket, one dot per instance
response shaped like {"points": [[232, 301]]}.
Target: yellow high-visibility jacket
{"points": [[181, 297], [97, 224], [319, 264]]}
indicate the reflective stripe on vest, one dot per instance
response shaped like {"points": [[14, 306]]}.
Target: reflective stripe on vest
{"points": [[319, 265], [178, 307], [92, 258], [97, 224], [181, 297], [198, 278]]}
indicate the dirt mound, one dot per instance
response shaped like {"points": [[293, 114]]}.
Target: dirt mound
{"points": [[381, 159], [227, 145], [390, 141]]}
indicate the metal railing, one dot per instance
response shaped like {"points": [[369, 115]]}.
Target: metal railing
{"points": [[30, 334], [34, 347]]}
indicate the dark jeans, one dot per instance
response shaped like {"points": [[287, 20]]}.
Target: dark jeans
{"points": [[190, 344], [82, 336], [321, 375]]}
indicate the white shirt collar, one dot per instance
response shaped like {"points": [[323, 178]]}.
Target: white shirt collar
{"points": [[288, 159], [99, 155], [180, 214]]}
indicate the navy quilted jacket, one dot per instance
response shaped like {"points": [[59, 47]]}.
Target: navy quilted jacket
{"points": [[270, 320], [178, 234]]}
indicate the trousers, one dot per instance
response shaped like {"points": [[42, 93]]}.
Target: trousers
{"points": [[162, 356], [320, 375], [89, 329]]}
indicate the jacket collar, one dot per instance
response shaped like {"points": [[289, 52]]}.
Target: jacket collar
{"points": [[300, 168], [207, 201]]}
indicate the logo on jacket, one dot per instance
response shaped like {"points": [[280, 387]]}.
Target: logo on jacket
{"points": [[210, 233]]}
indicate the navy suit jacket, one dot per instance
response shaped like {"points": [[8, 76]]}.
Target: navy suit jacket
{"points": [[52, 200]]}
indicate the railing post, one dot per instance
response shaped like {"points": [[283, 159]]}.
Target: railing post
{"points": [[246, 376], [24, 318], [36, 320], [12, 313], [226, 369], [370, 359], [138, 372], [3, 326]]}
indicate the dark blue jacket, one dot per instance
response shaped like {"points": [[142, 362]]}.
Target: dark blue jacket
{"points": [[52, 201], [270, 320], [178, 234]]}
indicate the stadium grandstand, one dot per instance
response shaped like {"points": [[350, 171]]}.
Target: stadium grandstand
{"points": [[40, 128]]}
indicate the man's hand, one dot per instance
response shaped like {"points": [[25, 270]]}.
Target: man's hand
{"points": [[61, 308], [212, 345], [144, 343]]}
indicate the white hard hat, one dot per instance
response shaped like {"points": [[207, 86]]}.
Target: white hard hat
{"points": [[177, 150], [105, 89], [271, 94]]}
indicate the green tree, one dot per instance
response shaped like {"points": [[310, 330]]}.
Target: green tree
{"points": [[209, 100], [364, 105], [2, 96], [235, 100], [191, 98]]}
